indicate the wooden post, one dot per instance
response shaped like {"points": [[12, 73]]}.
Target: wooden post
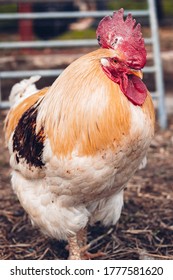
{"points": [[25, 25]]}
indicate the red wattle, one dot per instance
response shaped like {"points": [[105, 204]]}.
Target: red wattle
{"points": [[132, 86], [136, 90]]}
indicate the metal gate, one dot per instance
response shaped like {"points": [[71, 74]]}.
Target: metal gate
{"points": [[156, 68]]}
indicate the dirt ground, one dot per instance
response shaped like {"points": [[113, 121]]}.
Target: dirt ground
{"points": [[144, 231]]}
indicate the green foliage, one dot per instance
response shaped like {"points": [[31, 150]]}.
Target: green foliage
{"points": [[167, 7], [78, 34], [8, 25], [137, 5], [8, 8], [128, 5]]}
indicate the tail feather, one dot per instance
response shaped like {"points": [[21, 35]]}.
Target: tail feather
{"points": [[23, 89]]}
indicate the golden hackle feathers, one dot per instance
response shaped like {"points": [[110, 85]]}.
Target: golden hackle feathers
{"points": [[84, 111]]}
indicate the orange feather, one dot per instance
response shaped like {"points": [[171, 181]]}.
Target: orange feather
{"points": [[16, 113]]}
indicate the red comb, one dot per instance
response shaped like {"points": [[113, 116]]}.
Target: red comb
{"points": [[113, 29]]}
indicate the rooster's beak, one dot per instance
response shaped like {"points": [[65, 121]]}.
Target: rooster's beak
{"points": [[137, 73]]}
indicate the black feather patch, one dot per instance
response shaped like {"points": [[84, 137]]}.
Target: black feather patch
{"points": [[28, 144]]}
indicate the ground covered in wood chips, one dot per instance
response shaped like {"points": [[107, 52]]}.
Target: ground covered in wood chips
{"points": [[144, 231]]}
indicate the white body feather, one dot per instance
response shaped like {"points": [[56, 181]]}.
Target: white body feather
{"points": [[23, 89], [61, 201]]}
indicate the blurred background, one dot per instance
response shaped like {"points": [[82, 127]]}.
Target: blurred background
{"points": [[43, 37]]}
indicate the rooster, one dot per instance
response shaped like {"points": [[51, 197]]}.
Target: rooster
{"points": [[75, 145]]}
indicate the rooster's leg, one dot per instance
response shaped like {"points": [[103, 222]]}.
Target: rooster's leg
{"points": [[82, 237], [74, 249], [84, 247], [78, 247], [77, 244]]}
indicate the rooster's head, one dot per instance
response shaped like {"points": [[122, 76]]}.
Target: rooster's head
{"points": [[123, 66]]}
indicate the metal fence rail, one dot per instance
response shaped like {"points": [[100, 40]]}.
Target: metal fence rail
{"points": [[95, 14], [154, 40], [58, 44]]}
